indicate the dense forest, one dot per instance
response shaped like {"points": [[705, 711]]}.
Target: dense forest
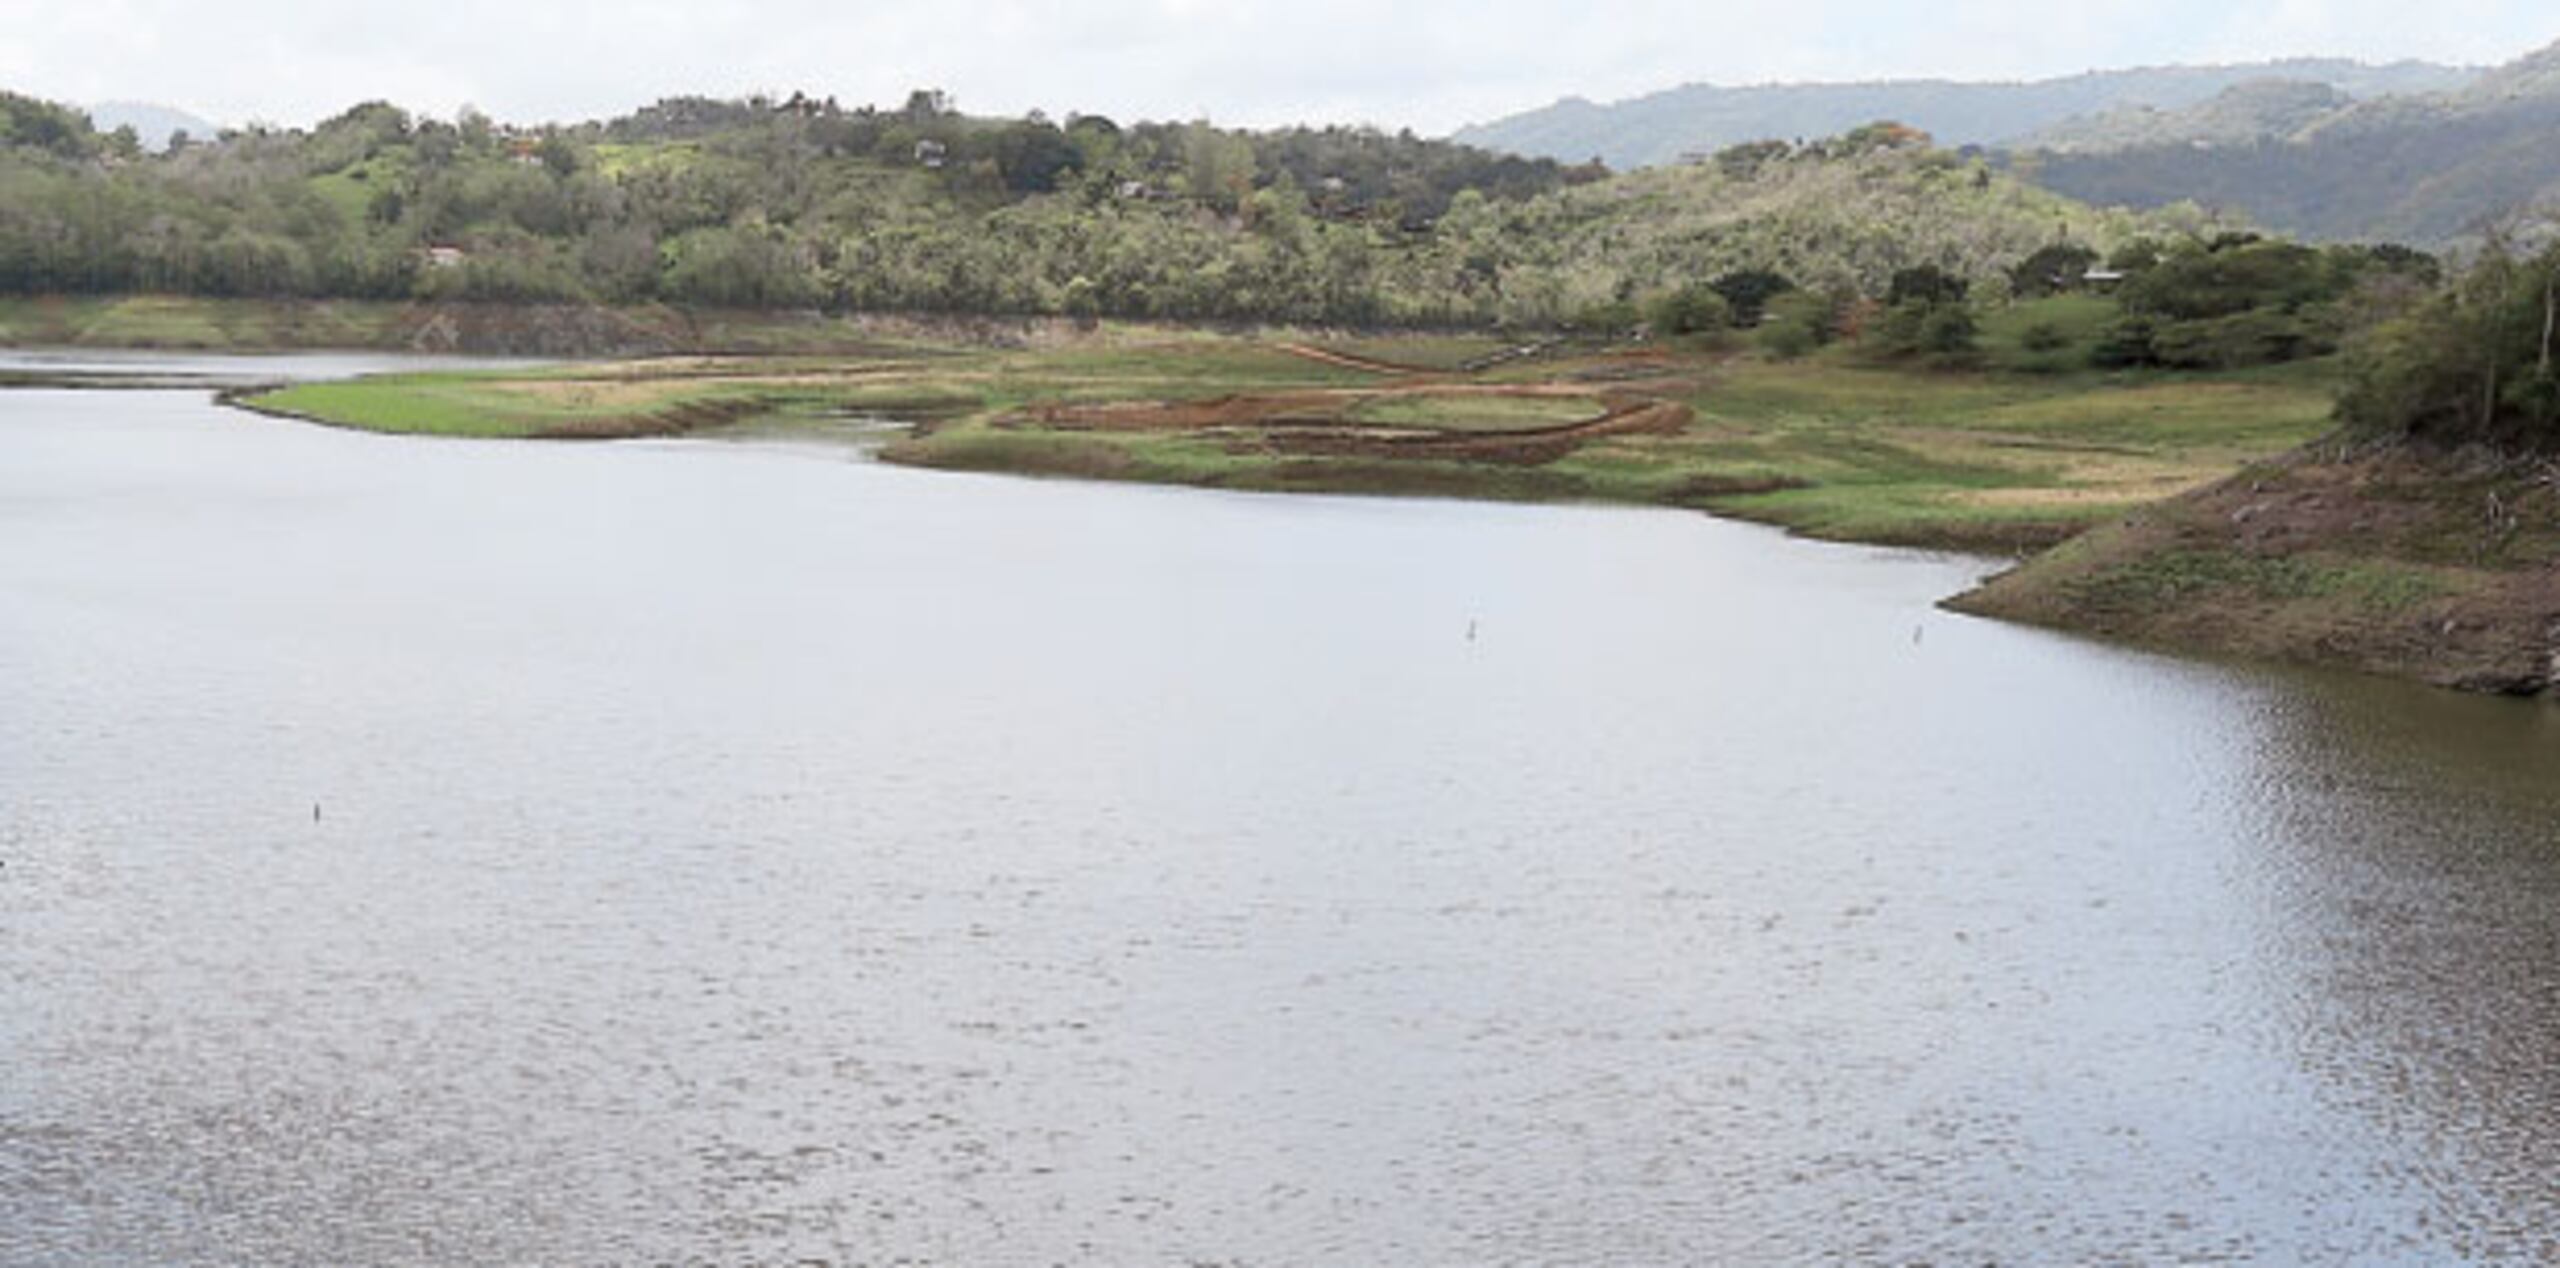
{"points": [[756, 203]]}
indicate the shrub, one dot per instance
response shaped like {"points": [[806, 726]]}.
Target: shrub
{"points": [[1690, 310], [2044, 336], [1797, 324]]}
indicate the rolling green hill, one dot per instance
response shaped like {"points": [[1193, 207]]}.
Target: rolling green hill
{"points": [[806, 205]]}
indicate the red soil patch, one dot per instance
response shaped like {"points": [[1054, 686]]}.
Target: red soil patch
{"points": [[1525, 447]]}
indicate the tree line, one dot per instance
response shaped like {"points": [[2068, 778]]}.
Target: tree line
{"points": [[2475, 362], [801, 203]]}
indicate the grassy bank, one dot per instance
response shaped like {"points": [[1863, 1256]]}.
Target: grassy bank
{"points": [[1828, 446], [617, 400], [198, 324], [2421, 563], [2442, 567]]}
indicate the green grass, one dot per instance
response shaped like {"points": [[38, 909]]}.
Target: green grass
{"points": [[349, 196], [1826, 445], [610, 400], [2068, 327], [1979, 458], [428, 404]]}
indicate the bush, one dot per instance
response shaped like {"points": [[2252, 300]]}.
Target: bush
{"points": [[1927, 284], [1797, 324], [1947, 332], [1942, 333], [1690, 310], [2474, 366], [1617, 317], [2126, 345], [2044, 336], [2052, 270], [2257, 337], [2232, 277]]}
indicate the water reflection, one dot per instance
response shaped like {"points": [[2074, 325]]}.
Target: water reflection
{"points": [[2412, 871]]}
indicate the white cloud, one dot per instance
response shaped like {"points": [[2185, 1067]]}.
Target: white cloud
{"points": [[1429, 64]]}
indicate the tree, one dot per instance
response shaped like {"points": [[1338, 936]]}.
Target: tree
{"points": [[1033, 156], [926, 105], [2481, 364], [1218, 165], [558, 156], [1926, 316], [1926, 285], [1748, 292], [2231, 275], [2052, 270], [1691, 310]]}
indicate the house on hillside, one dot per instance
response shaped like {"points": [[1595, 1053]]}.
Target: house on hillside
{"points": [[443, 256], [932, 154]]}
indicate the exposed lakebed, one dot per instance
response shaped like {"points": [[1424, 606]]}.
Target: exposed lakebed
{"points": [[469, 851]]}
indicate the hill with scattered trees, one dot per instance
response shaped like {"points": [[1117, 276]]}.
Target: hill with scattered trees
{"points": [[802, 204], [2428, 168], [1665, 127], [2243, 114]]}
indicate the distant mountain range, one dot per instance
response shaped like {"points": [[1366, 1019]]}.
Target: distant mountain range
{"points": [[2329, 150], [154, 124], [1664, 127], [2243, 114], [2424, 168]]}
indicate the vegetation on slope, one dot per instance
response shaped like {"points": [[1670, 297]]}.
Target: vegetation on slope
{"points": [[801, 205], [1666, 127], [2423, 168], [2243, 114], [2424, 540], [1838, 443], [2411, 560], [2477, 364]]}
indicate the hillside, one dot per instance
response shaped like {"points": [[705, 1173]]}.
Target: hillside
{"points": [[1844, 215], [2429, 169], [802, 204], [2412, 560], [1662, 127], [2244, 114]]}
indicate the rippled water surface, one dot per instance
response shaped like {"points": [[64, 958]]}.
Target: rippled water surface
{"points": [[448, 851]]}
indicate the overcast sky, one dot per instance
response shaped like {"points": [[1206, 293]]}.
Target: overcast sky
{"points": [[1426, 64]]}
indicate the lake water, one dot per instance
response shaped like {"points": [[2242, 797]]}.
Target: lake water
{"points": [[681, 851]]}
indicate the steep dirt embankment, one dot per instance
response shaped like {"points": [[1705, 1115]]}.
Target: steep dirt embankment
{"points": [[2415, 562]]}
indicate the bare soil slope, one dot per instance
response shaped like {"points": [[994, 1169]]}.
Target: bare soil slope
{"points": [[2421, 563]]}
